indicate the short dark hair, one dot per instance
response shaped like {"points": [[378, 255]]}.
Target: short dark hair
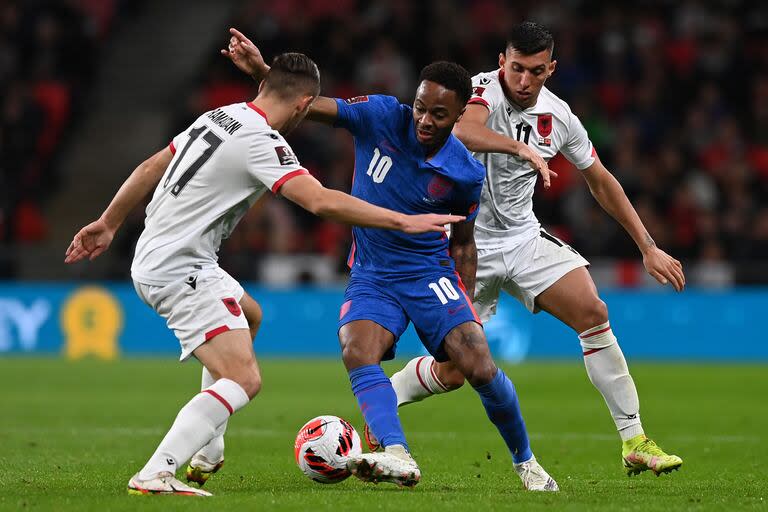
{"points": [[529, 38], [291, 75], [450, 75]]}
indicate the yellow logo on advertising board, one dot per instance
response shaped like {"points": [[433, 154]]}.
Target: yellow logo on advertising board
{"points": [[92, 320]]}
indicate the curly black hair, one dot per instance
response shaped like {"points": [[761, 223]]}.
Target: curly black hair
{"points": [[450, 75]]}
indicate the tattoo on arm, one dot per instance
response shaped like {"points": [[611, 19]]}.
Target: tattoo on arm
{"points": [[462, 248], [649, 240], [466, 266]]}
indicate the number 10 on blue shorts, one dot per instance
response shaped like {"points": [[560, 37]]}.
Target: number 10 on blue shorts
{"points": [[435, 303]]}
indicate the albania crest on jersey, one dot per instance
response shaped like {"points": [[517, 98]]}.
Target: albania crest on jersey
{"points": [[544, 125], [439, 187], [232, 305]]}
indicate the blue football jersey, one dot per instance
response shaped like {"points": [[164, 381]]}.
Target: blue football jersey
{"points": [[391, 171]]}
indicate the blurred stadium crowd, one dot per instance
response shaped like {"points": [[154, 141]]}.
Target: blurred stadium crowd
{"points": [[49, 53], [673, 94]]}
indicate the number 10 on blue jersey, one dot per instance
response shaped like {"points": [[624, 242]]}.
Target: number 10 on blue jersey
{"points": [[379, 166]]}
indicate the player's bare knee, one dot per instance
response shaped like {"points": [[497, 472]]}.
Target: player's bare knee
{"points": [[254, 385], [456, 383], [596, 313], [244, 371], [476, 364], [481, 373], [250, 381], [355, 354], [449, 376]]}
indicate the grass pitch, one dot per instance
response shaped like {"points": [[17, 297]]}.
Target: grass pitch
{"points": [[72, 434]]}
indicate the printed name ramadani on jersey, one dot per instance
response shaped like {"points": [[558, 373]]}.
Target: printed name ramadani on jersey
{"points": [[230, 124]]}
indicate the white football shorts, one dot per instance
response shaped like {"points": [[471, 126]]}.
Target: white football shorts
{"points": [[197, 307], [523, 270]]}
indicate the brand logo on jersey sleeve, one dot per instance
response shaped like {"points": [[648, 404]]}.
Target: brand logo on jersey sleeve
{"points": [[286, 156], [478, 91], [356, 99], [485, 80], [544, 125]]}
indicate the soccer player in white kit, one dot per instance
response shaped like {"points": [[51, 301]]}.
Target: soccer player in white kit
{"points": [[510, 114], [204, 182]]}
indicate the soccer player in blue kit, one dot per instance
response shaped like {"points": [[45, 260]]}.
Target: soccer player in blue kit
{"points": [[407, 159]]}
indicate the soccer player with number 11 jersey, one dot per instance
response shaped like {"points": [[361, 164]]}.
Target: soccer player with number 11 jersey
{"points": [[510, 106]]}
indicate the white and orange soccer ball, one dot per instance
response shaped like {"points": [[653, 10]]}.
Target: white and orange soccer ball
{"points": [[323, 446]]}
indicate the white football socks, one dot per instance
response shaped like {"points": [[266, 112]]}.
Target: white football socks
{"points": [[416, 381], [195, 425], [607, 369], [212, 452]]}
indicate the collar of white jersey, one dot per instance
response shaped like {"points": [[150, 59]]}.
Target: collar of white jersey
{"points": [[258, 111]]}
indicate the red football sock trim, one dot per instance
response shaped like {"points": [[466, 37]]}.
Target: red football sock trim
{"points": [[220, 399], [434, 375], [588, 352], [601, 331], [418, 374]]}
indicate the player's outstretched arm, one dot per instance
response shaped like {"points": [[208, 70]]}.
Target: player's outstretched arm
{"points": [[248, 59], [95, 238], [610, 194], [311, 195], [471, 130]]}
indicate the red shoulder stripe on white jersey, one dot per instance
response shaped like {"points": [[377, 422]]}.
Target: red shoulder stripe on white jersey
{"points": [[479, 101], [279, 183]]}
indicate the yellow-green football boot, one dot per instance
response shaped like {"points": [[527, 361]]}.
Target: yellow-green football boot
{"points": [[200, 469], [641, 454]]}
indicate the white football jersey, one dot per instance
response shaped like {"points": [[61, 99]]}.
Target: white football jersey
{"points": [[506, 205], [221, 165]]}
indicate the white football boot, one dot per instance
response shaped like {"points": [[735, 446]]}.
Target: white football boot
{"points": [[394, 465], [534, 477], [164, 483]]}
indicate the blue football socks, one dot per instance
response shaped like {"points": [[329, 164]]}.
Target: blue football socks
{"points": [[378, 403], [500, 401]]}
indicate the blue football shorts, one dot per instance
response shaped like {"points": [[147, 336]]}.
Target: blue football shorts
{"points": [[434, 302]]}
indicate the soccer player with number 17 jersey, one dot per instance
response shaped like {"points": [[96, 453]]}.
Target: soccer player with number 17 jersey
{"points": [[204, 182]]}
